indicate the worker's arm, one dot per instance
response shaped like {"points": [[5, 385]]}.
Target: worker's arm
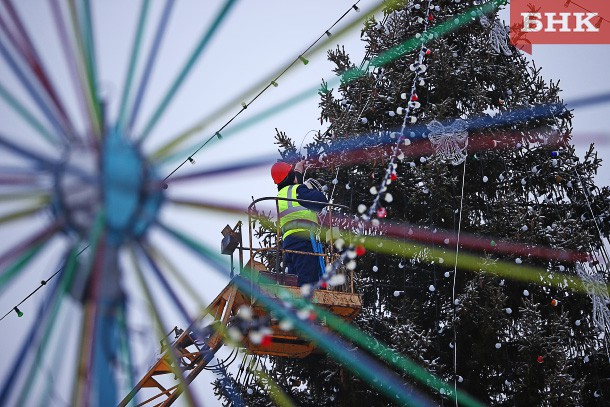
{"points": [[311, 195], [299, 170], [304, 192]]}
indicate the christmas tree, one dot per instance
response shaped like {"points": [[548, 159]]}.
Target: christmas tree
{"points": [[486, 235]]}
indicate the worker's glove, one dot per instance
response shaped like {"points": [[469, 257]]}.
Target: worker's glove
{"points": [[313, 183], [300, 167]]}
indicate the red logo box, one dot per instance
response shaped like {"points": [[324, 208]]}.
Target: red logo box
{"points": [[559, 22]]}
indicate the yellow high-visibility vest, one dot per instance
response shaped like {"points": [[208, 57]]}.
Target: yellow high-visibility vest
{"points": [[292, 212]]}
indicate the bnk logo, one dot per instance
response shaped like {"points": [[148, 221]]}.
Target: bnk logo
{"points": [[559, 22], [532, 22]]}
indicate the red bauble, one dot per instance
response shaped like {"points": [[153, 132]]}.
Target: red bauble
{"points": [[539, 359], [360, 250], [266, 341], [393, 176], [323, 285], [414, 97], [381, 213]]}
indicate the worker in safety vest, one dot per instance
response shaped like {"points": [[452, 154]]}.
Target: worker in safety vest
{"points": [[298, 220]]}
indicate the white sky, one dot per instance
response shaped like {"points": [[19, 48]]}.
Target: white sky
{"points": [[257, 39]]}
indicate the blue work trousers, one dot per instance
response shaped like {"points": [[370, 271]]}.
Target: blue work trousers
{"points": [[306, 267]]}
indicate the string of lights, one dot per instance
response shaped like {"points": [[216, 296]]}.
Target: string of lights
{"points": [[418, 68], [454, 282], [42, 284], [272, 83]]}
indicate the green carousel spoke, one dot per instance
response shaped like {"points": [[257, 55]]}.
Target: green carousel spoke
{"points": [[135, 51], [27, 116], [186, 68], [473, 263], [174, 142], [13, 196], [243, 125], [91, 64], [158, 256], [276, 393], [84, 71], [412, 44]]}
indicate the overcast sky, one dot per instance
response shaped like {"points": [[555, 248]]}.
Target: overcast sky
{"points": [[256, 40]]}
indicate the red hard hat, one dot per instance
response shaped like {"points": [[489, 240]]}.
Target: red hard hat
{"points": [[279, 171]]}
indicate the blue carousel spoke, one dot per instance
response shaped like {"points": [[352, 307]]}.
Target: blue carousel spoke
{"points": [[25, 172], [135, 51], [187, 67], [264, 161], [589, 100], [26, 115], [143, 252], [356, 360], [44, 321], [34, 94], [360, 141], [42, 162], [152, 56]]}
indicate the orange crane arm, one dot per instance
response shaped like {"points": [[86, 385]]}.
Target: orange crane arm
{"points": [[161, 386]]}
